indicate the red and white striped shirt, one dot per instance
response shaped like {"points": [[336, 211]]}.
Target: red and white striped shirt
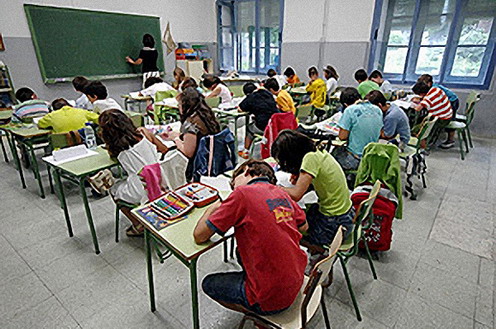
{"points": [[438, 104]]}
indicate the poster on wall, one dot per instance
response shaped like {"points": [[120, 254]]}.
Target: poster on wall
{"points": [[2, 46]]}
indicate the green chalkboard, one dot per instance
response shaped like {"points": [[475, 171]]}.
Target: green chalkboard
{"points": [[71, 42]]}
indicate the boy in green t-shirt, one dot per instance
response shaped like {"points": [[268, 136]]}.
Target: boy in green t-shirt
{"points": [[364, 84], [298, 155]]}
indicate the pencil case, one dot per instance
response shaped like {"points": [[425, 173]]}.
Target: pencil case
{"points": [[197, 193], [171, 206]]}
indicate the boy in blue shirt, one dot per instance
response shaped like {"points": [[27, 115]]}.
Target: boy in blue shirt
{"points": [[360, 124], [395, 119]]}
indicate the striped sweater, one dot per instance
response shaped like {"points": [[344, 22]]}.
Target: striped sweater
{"points": [[438, 104], [30, 109]]}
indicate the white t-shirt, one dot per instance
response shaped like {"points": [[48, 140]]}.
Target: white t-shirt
{"points": [[225, 94], [101, 105], [331, 84], [152, 90], [386, 87], [83, 103]]}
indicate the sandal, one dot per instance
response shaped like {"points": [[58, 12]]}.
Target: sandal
{"points": [[134, 231]]}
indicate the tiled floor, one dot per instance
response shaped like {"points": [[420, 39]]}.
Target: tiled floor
{"points": [[440, 272]]}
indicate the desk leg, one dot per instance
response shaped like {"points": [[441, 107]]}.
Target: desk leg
{"points": [[36, 169], [88, 214], [61, 196], [194, 293], [149, 266], [6, 158], [50, 180], [15, 155], [236, 135]]}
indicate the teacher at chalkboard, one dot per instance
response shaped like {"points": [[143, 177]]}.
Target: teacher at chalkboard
{"points": [[148, 57]]}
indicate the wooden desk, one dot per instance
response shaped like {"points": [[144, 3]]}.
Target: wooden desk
{"points": [[128, 99], [178, 238], [27, 135], [76, 171]]}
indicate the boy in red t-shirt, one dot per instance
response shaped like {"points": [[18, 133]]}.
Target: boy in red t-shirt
{"points": [[267, 225]]}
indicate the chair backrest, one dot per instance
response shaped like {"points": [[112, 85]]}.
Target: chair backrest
{"points": [[472, 99], [213, 102], [426, 128], [303, 111], [237, 90], [63, 140], [161, 95]]}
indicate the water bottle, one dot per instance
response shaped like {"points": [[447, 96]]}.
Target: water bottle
{"points": [[89, 136]]}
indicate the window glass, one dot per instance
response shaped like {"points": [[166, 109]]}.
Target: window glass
{"points": [[468, 61], [395, 60]]}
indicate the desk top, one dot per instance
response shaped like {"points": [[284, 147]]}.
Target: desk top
{"points": [[25, 130], [5, 115], [88, 165], [179, 236], [298, 90], [232, 113], [136, 98]]}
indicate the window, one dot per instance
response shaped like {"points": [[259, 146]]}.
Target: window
{"points": [[249, 35], [452, 40]]}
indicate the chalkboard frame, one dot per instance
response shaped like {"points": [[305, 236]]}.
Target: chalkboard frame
{"points": [[54, 80]]}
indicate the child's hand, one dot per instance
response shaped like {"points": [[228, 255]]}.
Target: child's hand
{"points": [[129, 59], [293, 179], [169, 135]]}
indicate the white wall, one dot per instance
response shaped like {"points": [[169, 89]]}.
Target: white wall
{"points": [[191, 20]]}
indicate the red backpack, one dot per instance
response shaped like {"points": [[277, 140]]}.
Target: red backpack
{"points": [[380, 233]]}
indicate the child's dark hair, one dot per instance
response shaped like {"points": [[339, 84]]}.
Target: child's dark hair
{"points": [[271, 73], [79, 83], [331, 71], [189, 82], [349, 96], [256, 168], [211, 80], [313, 71], [193, 103], [24, 94], [148, 41], [152, 80], [289, 72], [96, 89], [360, 75], [375, 74], [271, 84], [421, 88], [427, 78], [249, 88], [376, 97], [117, 131], [59, 103], [289, 148]]}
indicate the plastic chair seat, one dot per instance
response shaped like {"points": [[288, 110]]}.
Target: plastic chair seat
{"points": [[456, 125], [407, 152], [413, 141], [291, 318], [348, 243]]}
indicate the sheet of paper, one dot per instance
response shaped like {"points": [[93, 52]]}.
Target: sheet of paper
{"points": [[134, 94], [50, 159]]}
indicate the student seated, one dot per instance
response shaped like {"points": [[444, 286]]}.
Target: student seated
{"points": [[281, 79], [133, 148], [437, 103], [266, 225], [79, 83], [197, 121], [297, 154], [262, 105], [395, 119], [98, 96], [364, 84], [284, 100], [179, 77], [65, 118], [317, 88], [385, 86], [331, 77], [30, 106], [154, 84], [360, 124], [218, 88], [291, 76]]}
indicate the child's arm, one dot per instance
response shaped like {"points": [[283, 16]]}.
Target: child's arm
{"points": [[187, 145], [214, 92], [203, 232], [343, 134], [301, 186], [152, 138], [134, 62]]}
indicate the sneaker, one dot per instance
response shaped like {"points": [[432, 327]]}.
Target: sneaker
{"points": [[447, 145], [244, 154]]}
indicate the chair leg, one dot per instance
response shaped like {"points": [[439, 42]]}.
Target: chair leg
{"points": [[465, 139], [324, 312], [469, 137], [224, 245], [117, 218], [242, 324], [350, 288], [232, 248], [369, 258], [460, 144]]}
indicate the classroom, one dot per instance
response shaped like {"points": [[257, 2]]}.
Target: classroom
{"points": [[248, 164]]}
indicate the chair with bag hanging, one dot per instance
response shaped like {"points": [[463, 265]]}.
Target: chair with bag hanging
{"points": [[306, 304]]}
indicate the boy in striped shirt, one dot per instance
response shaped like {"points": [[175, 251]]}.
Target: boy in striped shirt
{"points": [[30, 106], [437, 103]]}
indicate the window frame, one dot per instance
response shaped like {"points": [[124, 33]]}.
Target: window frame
{"points": [[236, 37], [378, 50]]}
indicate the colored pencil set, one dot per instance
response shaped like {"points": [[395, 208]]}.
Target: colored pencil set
{"points": [[171, 206], [198, 193]]}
